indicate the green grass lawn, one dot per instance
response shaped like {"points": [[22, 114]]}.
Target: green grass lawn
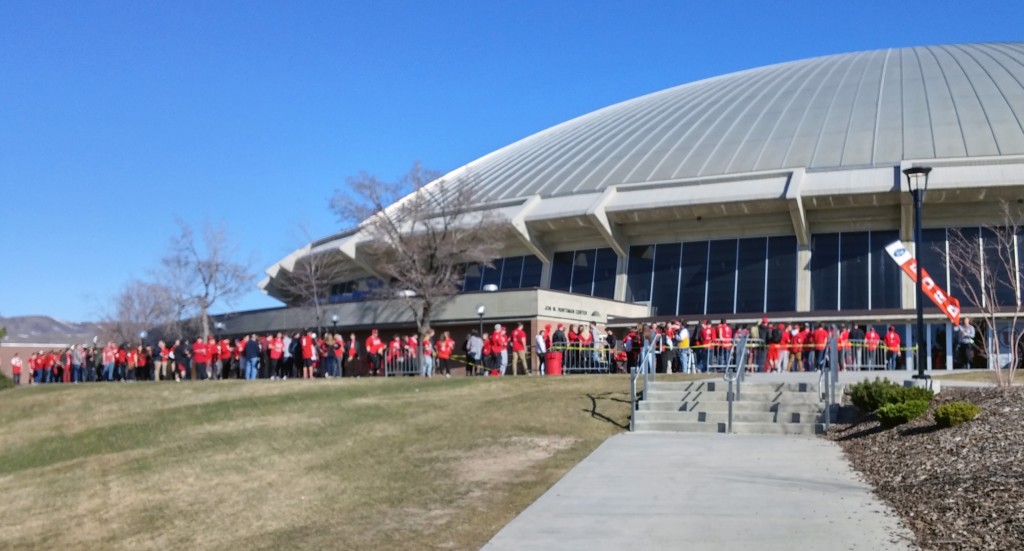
{"points": [[349, 464]]}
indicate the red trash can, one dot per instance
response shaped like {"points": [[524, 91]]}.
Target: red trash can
{"points": [[553, 363]]}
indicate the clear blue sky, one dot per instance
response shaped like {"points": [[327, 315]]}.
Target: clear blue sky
{"points": [[118, 117]]}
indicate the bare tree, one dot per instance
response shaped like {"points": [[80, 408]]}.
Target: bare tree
{"points": [[200, 275], [310, 280], [421, 231], [988, 276], [139, 306]]}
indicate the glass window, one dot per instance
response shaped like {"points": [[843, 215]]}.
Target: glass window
{"points": [[492, 276], [693, 278], [512, 272], [532, 268], [473, 277], [722, 277], [750, 275], [960, 282], [561, 270], [886, 275], [583, 271], [638, 273], [1000, 265], [854, 272], [782, 272], [606, 267], [932, 254], [825, 271], [666, 278]]}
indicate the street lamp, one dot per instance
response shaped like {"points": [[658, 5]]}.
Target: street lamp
{"points": [[480, 310], [142, 336], [334, 321], [917, 185]]}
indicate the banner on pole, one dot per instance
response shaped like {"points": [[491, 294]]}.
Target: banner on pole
{"points": [[948, 304]]}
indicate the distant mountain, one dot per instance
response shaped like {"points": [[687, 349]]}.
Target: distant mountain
{"points": [[47, 330]]}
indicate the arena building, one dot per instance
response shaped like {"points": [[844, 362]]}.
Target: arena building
{"points": [[767, 192]]}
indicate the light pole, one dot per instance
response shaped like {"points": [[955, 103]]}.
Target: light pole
{"points": [[917, 185], [334, 322], [480, 311]]}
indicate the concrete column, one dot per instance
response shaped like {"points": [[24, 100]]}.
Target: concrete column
{"points": [[907, 288], [620, 279], [545, 275], [803, 278], [950, 346]]}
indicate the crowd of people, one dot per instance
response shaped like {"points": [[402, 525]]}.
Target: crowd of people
{"points": [[665, 347]]}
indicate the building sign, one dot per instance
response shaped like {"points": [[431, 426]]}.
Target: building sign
{"points": [[949, 305]]}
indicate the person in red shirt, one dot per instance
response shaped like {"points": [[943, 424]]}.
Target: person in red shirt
{"points": [[16, 369], [892, 348], [519, 350], [445, 347], [707, 343], [871, 340], [843, 345], [499, 348], [306, 344], [276, 344], [486, 353], [394, 354], [374, 351], [200, 358], [820, 337], [427, 365]]}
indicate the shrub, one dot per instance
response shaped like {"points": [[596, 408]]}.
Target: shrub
{"points": [[868, 396], [954, 413], [5, 381], [891, 415]]}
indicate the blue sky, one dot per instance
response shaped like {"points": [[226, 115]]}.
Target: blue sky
{"points": [[116, 118]]}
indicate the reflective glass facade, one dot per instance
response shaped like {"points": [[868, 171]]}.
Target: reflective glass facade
{"points": [[586, 272], [515, 272], [724, 276], [852, 271]]}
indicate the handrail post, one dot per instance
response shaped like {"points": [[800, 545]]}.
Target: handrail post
{"points": [[632, 399]]}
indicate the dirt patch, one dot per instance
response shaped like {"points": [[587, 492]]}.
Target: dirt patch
{"points": [[493, 464], [959, 488]]}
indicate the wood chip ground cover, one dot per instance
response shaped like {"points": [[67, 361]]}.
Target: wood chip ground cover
{"points": [[958, 489]]}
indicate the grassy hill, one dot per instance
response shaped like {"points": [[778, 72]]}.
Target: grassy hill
{"points": [[351, 464]]}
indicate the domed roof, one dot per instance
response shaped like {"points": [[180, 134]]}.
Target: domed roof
{"points": [[856, 110]]}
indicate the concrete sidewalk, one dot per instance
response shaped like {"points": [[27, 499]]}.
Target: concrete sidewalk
{"points": [[707, 492]]}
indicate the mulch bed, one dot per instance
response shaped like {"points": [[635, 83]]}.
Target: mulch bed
{"points": [[958, 488]]}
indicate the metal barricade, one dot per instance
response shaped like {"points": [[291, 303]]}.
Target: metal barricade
{"points": [[858, 355], [400, 365], [586, 359]]}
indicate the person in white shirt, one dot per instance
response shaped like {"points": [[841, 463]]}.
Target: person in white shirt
{"points": [[542, 349]]}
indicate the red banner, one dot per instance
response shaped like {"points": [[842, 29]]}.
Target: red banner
{"points": [[948, 304]]}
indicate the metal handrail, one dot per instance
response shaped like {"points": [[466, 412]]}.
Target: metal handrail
{"points": [[648, 374]]}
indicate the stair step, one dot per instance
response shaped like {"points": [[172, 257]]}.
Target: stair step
{"points": [[710, 397], [800, 429], [738, 416], [718, 385], [721, 407]]}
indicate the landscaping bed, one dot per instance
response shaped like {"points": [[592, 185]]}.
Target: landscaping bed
{"points": [[957, 488]]}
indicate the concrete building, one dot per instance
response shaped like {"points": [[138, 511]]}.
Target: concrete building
{"points": [[771, 191]]}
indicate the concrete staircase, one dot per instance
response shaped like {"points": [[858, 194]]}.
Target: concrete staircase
{"points": [[702, 406]]}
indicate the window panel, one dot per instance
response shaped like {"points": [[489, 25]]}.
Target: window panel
{"points": [[693, 278], [666, 278], [472, 281], [971, 280], [825, 271], [932, 254], [782, 271], [532, 268], [583, 271], [638, 273], [492, 276], [750, 275], [854, 271], [604, 273], [721, 277], [511, 272], [999, 266], [561, 271], [886, 275]]}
